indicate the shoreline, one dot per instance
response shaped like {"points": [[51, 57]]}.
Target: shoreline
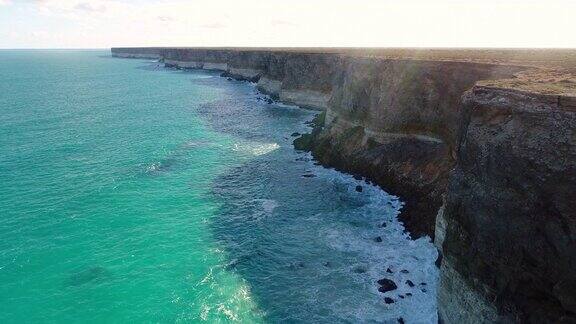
{"points": [[393, 226], [409, 198], [467, 143]]}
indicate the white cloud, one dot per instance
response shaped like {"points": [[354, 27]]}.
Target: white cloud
{"points": [[165, 18], [104, 23], [215, 25], [87, 6], [277, 22]]}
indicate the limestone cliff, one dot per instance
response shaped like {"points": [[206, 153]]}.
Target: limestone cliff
{"points": [[480, 144], [142, 52], [395, 121], [302, 79], [510, 246]]}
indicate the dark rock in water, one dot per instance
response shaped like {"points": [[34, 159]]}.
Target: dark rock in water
{"points": [[296, 265], [229, 79], [401, 320], [388, 270], [359, 188], [309, 175], [355, 223], [388, 300], [269, 101], [386, 285], [88, 275], [410, 283], [378, 239], [327, 264], [295, 134], [360, 270], [383, 224], [303, 143], [404, 271], [401, 296], [306, 142], [408, 294], [424, 290], [423, 283], [358, 177]]}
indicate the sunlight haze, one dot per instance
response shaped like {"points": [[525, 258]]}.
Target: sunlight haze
{"points": [[360, 23]]}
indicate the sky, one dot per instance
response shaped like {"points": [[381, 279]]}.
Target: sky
{"points": [[287, 23]]}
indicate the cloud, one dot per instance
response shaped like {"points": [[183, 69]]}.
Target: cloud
{"points": [[103, 23], [213, 25], [87, 6], [166, 18], [39, 34], [282, 23]]}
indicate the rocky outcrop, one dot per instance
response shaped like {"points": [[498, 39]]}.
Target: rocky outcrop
{"points": [[510, 246], [396, 121], [479, 144]]}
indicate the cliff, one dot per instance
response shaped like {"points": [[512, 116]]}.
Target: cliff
{"points": [[143, 52], [509, 248], [480, 145], [395, 121]]}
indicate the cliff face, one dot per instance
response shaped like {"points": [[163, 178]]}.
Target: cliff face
{"points": [[510, 246], [407, 96], [481, 150], [303, 79], [146, 53], [396, 121]]}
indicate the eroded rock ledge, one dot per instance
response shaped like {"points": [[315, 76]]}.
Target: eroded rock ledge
{"points": [[480, 144]]}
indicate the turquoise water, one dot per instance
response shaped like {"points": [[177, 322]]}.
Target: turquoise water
{"points": [[134, 193]]}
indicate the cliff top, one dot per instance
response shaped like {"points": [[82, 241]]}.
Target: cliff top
{"points": [[550, 71], [551, 58], [544, 81]]}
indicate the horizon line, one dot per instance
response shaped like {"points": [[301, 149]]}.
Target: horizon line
{"points": [[297, 47]]}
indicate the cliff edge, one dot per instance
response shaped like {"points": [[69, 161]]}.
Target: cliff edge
{"points": [[480, 144], [510, 239]]}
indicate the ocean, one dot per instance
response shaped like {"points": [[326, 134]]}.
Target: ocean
{"points": [[135, 193]]}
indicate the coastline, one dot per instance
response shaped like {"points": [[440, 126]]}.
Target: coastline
{"points": [[407, 124]]}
